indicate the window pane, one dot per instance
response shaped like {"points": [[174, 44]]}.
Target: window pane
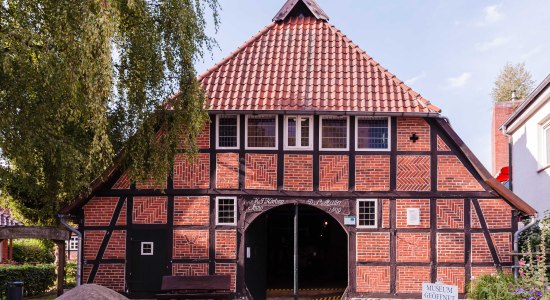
{"points": [[372, 133], [226, 211], [261, 132], [304, 125], [335, 132], [367, 213], [291, 131], [227, 131]]}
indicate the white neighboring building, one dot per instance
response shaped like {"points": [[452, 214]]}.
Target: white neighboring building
{"points": [[529, 128]]}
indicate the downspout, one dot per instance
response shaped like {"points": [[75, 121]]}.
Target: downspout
{"points": [[532, 223], [510, 167], [79, 253]]}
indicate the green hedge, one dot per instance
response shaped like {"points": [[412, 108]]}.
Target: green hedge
{"points": [[38, 278], [33, 251]]}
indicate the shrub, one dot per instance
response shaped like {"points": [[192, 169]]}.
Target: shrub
{"points": [[493, 287], [70, 275], [33, 251], [37, 278]]}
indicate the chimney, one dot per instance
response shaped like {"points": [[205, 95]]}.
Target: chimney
{"points": [[499, 142]]}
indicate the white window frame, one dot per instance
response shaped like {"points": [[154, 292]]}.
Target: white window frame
{"points": [[152, 248], [321, 133], [234, 223], [357, 134], [73, 241], [218, 132], [375, 213], [276, 133], [544, 144], [298, 133]]}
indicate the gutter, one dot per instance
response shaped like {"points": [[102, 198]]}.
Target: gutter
{"points": [[532, 223], [79, 256]]}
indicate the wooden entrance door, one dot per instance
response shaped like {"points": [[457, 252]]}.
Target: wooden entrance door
{"points": [[148, 260]]}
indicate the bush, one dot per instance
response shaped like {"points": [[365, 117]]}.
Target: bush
{"points": [[33, 251], [37, 278], [70, 275], [493, 287]]}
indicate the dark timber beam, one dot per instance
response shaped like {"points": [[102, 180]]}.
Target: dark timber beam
{"points": [[34, 232]]}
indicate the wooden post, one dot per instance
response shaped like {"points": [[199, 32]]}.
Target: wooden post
{"points": [[10, 250], [60, 266]]}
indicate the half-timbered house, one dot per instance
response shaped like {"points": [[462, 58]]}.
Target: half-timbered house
{"points": [[319, 169]]}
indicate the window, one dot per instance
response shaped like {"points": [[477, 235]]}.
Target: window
{"points": [[73, 243], [334, 133], [147, 248], [227, 132], [367, 212], [373, 133], [261, 132], [226, 211], [546, 145], [298, 132]]}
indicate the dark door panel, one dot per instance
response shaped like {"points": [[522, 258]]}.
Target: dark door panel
{"points": [[148, 260]]}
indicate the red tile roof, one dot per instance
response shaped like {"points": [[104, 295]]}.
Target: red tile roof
{"points": [[304, 63]]}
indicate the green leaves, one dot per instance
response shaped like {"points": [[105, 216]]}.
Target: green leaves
{"points": [[512, 78], [82, 80]]}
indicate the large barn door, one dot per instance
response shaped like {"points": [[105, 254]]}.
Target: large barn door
{"points": [[256, 258], [147, 260]]}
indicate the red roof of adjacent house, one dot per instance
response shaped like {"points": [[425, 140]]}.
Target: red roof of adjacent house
{"points": [[301, 62]]}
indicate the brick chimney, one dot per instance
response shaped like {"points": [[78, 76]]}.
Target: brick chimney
{"points": [[499, 142]]}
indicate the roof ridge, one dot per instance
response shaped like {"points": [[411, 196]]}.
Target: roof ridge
{"points": [[374, 63], [237, 51]]}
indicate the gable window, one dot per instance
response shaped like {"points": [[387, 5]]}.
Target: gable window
{"points": [[226, 211], [298, 132], [334, 133], [367, 213], [227, 131], [261, 132], [373, 133]]}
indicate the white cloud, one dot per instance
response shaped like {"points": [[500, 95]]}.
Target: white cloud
{"points": [[415, 78], [532, 52], [459, 81], [492, 14], [496, 42]]}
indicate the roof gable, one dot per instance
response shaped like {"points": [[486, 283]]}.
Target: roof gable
{"points": [[295, 8]]}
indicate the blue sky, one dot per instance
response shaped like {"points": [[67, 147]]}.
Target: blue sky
{"points": [[448, 51]]}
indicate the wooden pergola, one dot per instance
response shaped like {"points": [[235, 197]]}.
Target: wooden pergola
{"points": [[58, 235]]}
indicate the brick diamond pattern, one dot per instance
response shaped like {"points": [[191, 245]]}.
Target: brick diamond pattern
{"points": [[111, 276], [372, 172], [298, 172], [92, 242], [450, 213], [192, 210], [441, 145], [123, 182], [413, 173], [116, 248], [192, 173], [452, 276], [190, 243], [227, 170], [413, 247], [334, 172], [149, 210], [452, 175], [373, 279], [450, 247], [228, 269], [406, 127], [261, 171], [373, 246], [189, 269], [410, 279]]}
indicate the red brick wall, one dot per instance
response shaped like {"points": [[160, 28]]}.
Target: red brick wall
{"points": [[149, 210], [450, 213], [452, 175], [92, 242], [99, 211], [192, 210], [497, 213], [373, 279], [116, 248], [228, 269], [452, 276], [450, 247], [227, 170], [151, 184], [479, 271], [385, 213], [503, 243], [226, 244], [441, 145], [410, 279], [333, 172], [189, 269], [401, 212], [406, 127], [413, 247], [190, 243], [192, 174], [203, 138], [372, 172], [261, 171], [86, 270], [111, 276], [413, 172], [123, 183], [373, 246], [298, 172], [499, 142]]}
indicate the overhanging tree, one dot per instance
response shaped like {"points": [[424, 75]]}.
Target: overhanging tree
{"points": [[512, 78], [82, 79]]}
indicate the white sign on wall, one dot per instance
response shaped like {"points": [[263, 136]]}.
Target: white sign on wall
{"points": [[413, 216], [438, 291]]}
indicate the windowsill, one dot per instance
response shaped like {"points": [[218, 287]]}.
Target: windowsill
{"points": [[543, 169]]}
